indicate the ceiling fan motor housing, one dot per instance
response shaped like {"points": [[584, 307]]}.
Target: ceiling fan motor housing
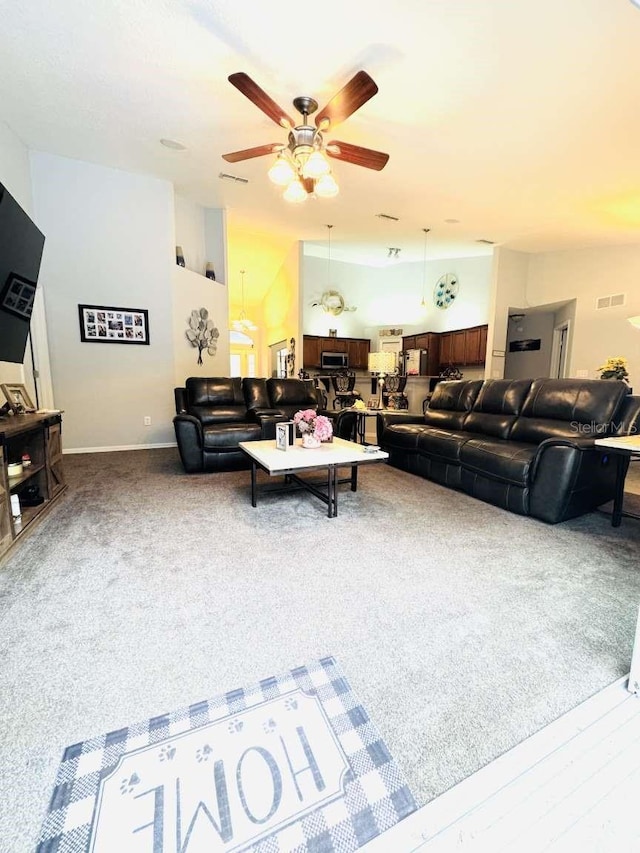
{"points": [[302, 142]]}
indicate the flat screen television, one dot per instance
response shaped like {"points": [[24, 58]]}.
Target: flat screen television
{"points": [[21, 245]]}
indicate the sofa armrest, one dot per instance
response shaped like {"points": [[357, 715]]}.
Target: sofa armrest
{"points": [[569, 477], [180, 396], [190, 441], [256, 415], [385, 419], [268, 420]]}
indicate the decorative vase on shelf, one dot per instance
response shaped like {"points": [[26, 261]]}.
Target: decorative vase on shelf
{"points": [[209, 271], [309, 440], [179, 256]]}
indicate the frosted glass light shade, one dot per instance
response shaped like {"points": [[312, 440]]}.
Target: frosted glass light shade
{"points": [[635, 321], [382, 362], [295, 192], [326, 186], [316, 166], [281, 173]]}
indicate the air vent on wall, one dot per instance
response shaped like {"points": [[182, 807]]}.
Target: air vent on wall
{"points": [[614, 301]]}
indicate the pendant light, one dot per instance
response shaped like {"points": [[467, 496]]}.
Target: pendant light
{"points": [[423, 304], [243, 324]]}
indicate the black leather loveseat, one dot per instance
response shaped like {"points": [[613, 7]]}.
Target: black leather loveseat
{"points": [[525, 445], [214, 414]]}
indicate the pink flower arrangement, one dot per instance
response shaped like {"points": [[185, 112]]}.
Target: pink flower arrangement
{"points": [[308, 420]]}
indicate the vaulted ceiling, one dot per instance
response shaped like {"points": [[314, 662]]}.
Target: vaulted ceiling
{"points": [[519, 120]]}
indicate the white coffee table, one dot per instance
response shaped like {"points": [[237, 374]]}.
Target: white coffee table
{"points": [[297, 459]]}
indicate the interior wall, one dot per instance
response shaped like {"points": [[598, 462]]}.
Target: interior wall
{"points": [[262, 256], [508, 287], [391, 296], [110, 241], [586, 274], [189, 218], [280, 308], [16, 176], [530, 363]]}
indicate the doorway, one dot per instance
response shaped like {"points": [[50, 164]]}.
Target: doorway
{"points": [[559, 350]]}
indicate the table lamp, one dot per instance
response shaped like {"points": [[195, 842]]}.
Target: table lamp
{"points": [[382, 363]]}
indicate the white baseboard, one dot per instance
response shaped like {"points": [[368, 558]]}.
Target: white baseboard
{"points": [[119, 447]]}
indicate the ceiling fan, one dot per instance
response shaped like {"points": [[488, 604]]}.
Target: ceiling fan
{"points": [[301, 165]]}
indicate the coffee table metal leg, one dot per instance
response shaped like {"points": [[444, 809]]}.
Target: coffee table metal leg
{"points": [[334, 476], [621, 473], [354, 478], [253, 483], [330, 492]]}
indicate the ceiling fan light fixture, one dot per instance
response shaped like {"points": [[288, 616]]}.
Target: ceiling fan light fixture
{"points": [[326, 186], [281, 172], [295, 192], [316, 166]]}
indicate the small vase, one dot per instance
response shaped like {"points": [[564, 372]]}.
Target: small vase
{"points": [[310, 441]]}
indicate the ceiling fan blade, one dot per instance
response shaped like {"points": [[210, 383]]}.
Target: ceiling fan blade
{"points": [[257, 96], [366, 157], [349, 99], [249, 153]]}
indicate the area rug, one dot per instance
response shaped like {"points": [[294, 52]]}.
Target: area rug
{"points": [[292, 763]]}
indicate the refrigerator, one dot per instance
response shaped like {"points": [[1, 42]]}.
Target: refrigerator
{"points": [[415, 362]]}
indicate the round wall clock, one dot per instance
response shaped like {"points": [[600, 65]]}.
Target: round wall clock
{"points": [[446, 290]]}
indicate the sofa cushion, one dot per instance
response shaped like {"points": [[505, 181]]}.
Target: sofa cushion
{"points": [[568, 408], [225, 437], [402, 436], [216, 399], [292, 392], [507, 461], [255, 392], [497, 406], [444, 443], [451, 402]]}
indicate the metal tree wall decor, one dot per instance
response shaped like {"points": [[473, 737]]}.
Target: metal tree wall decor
{"points": [[202, 333]]}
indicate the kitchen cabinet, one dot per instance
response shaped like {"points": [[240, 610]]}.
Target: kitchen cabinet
{"points": [[458, 347], [356, 348], [445, 357]]}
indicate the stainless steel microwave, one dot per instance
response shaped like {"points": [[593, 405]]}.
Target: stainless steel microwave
{"points": [[334, 360]]}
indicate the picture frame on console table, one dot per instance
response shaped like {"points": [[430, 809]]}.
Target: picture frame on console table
{"points": [[18, 398], [373, 403], [103, 324]]}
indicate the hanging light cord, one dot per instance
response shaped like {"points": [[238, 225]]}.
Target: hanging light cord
{"points": [[424, 266]]}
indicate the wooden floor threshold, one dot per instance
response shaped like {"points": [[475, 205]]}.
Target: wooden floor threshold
{"points": [[571, 786]]}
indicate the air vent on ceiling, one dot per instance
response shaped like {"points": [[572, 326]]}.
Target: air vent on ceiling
{"points": [[614, 301], [387, 216], [487, 242], [226, 177]]}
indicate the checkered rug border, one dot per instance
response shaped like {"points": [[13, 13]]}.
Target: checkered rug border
{"points": [[375, 794]]}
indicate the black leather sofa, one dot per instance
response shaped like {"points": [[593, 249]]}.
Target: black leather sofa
{"points": [[525, 445], [214, 414]]}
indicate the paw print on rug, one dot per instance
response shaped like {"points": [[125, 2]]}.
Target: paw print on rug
{"points": [[270, 726], [127, 785], [291, 704], [235, 726], [203, 753], [167, 753]]}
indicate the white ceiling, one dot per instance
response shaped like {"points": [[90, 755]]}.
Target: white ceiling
{"points": [[518, 119]]}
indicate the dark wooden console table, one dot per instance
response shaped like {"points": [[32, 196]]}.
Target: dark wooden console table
{"points": [[39, 436]]}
